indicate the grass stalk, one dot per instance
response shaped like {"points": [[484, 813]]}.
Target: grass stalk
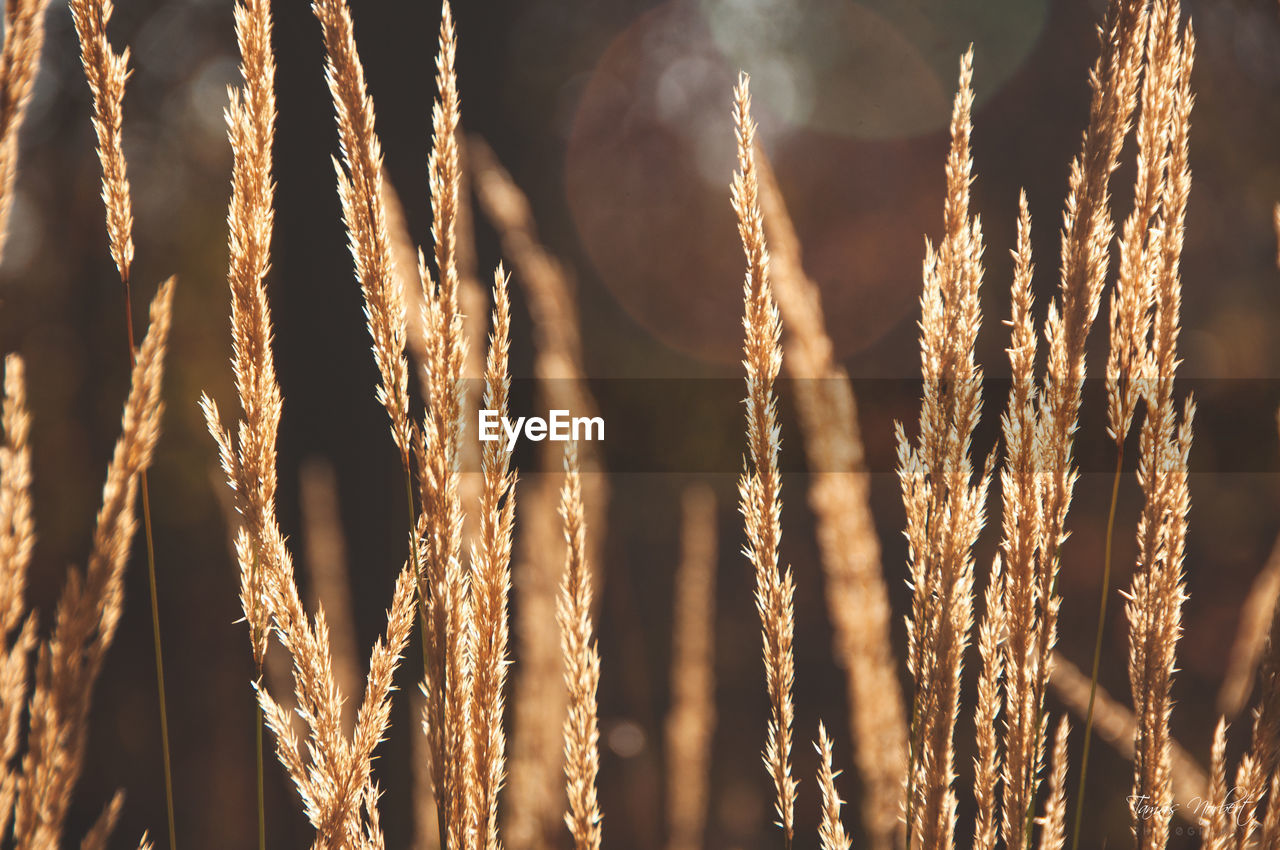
{"points": [[155, 600], [160, 691], [1097, 647], [422, 609], [262, 797]]}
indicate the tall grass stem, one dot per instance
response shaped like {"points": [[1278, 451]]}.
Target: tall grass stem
{"points": [[262, 797], [1097, 647], [155, 601]]}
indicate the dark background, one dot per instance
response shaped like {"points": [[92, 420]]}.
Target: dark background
{"points": [[614, 117]]}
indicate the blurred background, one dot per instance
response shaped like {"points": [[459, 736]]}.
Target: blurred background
{"points": [[614, 117]]}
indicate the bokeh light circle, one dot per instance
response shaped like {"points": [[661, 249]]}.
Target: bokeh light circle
{"points": [[852, 110]]}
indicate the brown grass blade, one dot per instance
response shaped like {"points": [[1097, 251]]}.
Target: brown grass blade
{"points": [[840, 496], [1251, 638], [559, 363], [692, 717], [552, 301]]}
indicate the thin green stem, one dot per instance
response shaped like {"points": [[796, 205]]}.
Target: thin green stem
{"points": [[1097, 645], [155, 631], [262, 797], [155, 601]]}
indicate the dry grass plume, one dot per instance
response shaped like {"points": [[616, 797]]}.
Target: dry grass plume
{"points": [[581, 667], [19, 61], [831, 834], [106, 72], [840, 496], [88, 610], [938, 481], [1157, 592], [442, 582], [533, 816], [333, 773], [17, 540], [491, 586], [760, 486]]}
